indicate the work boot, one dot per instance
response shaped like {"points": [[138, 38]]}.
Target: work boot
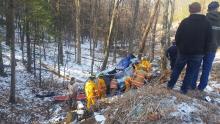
{"points": [[169, 87], [184, 92]]}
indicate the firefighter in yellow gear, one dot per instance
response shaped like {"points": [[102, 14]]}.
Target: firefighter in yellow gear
{"points": [[139, 78], [144, 65], [128, 82], [101, 86], [91, 92], [128, 79]]}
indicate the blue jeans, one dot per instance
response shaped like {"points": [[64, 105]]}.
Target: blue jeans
{"points": [[193, 63], [206, 68]]}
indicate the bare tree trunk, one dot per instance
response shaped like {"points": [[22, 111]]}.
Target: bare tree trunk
{"points": [[58, 61], [29, 58], [147, 29], [34, 57], [44, 49], [154, 36], [58, 24], [8, 25], [34, 49], [94, 32], [40, 70], [40, 73], [11, 40], [22, 44], [75, 49], [110, 4], [77, 4], [133, 33], [1, 59], [115, 51], [167, 22], [172, 5], [104, 64], [115, 41], [60, 49]]}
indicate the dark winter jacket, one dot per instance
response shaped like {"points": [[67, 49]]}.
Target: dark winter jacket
{"points": [[214, 19], [171, 54], [193, 35]]}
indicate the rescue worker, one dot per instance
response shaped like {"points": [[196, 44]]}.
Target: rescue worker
{"points": [[144, 65], [171, 54], [72, 92], [91, 92], [101, 86], [139, 78], [113, 86], [128, 83], [128, 79]]}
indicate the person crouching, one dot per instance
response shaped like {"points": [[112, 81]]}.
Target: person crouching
{"points": [[72, 92]]}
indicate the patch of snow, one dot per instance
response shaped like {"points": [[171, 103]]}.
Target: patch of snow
{"points": [[99, 118], [209, 89], [80, 112], [58, 118], [217, 57], [185, 112], [55, 110], [80, 105]]}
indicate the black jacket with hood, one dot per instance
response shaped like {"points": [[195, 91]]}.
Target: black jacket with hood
{"points": [[214, 19], [193, 35]]}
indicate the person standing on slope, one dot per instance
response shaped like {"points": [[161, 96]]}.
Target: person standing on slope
{"points": [[91, 92], [192, 37], [171, 54], [213, 17]]}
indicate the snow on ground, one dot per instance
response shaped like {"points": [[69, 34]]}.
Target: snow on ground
{"points": [[156, 104], [27, 85], [217, 57], [99, 118], [214, 80]]}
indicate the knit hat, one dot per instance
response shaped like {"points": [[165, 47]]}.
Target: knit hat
{"points": [[195, 7], [101, 75], [72, 79], [213, 5], [92, 77]]}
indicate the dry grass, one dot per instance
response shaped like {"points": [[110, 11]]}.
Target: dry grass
{"points": [[146, 105]]}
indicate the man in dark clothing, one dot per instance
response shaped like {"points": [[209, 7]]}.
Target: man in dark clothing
{"points": [[213, 17], [192, 37], [171, 54]]}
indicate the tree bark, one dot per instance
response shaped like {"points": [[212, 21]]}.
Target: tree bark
{"points": [[8, 22], [147, 29], [94, 32], [133, 33], [77, 4], [104, 64], [154, 36], [172, 4], [1, 59], [167, 22], [60, 49], [22, 44], [11, 37], [29, 58]]}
